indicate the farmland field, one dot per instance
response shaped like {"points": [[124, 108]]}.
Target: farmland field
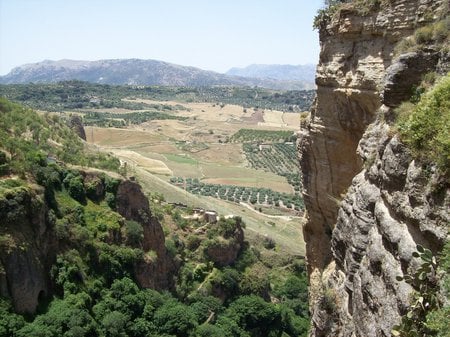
{"points": [[216, 146]]}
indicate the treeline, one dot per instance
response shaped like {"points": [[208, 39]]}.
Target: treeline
{"points": [[108, 119], [263, 136], [70, 95]]}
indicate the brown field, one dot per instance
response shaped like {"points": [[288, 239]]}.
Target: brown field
{"points": [[155, 145], [136, 159], [292, 119], [119, 137], [223, 154]]}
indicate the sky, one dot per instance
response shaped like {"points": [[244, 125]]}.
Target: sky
{"points": [[209, 34]]}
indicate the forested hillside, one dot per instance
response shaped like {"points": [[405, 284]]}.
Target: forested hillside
{"points": [[77, 95]]}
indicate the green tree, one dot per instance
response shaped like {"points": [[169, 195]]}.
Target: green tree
{"points": [[175, 318], [114, 324], [134, 233]]}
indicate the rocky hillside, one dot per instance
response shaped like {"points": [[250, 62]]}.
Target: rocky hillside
{"points": [[371, 196], [135, 72], [50, 210], [40, 224]]}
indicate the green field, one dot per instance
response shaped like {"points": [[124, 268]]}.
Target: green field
{"points": [[180, 159]]}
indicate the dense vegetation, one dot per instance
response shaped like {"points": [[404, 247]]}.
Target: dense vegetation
{"points": [[93, 274], [252, 195], [425, 126], [108, 119], [72, 95], [96, 294]]}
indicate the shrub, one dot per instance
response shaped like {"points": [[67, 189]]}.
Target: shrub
{"points": [[426, 128], [110, 199], [268, 242], [193, 242], [209, 330], [9, 321], [75, 187], [227, 280], [253, 313], [171, 247], [114, 324], [424, 299], [255, 281], [441, 30], [424, 35], [134, 232]]}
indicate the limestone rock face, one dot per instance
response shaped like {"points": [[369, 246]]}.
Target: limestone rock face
{"points": [[368, 202], [406, 72], [132, 204]]}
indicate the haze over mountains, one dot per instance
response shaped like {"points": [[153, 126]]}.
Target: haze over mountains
{"points": [[153, 72], [284, 72]]}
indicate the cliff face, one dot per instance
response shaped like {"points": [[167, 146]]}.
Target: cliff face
{"points": [[30, 241], [132, 204], [26, 249], [367, 200]]}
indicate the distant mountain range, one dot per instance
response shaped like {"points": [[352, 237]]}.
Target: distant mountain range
{"points": [[285, 72], [143, 72]]}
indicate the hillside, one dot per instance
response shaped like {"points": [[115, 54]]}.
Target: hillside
{"points": [[134, 72], [86, 252], [285, 72]]}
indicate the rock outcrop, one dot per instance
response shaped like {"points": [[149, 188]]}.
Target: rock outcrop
{"points": [[367, 199], [76, 125], [132, 204], [225, 250]]}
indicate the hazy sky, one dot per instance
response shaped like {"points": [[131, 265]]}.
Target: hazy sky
{"points": [[209, 34]]}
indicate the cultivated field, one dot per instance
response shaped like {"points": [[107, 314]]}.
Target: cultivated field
{"points": [[199, 147]]}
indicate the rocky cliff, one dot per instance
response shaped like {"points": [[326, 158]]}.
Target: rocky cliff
{"points": [[132, 204], [36, 228], [367, 199], [27, 248]]}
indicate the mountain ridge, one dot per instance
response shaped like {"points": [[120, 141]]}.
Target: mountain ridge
{"points": [[136, 72], [286, 72]]}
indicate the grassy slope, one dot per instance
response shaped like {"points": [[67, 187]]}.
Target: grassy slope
{"points": [[287, 234]]}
